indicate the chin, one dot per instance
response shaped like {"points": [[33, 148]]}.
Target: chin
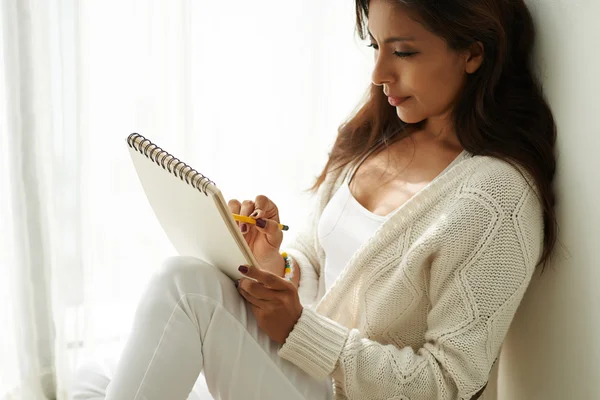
{"points": [[408, 117]]}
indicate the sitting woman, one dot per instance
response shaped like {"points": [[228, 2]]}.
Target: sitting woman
{"points": [[432, 213]]}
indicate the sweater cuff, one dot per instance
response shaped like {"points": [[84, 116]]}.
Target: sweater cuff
{"points": [[315, 344], [308, 286]]}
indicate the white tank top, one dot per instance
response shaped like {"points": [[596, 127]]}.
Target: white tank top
{"points": [[343, 227], [346, 225]]}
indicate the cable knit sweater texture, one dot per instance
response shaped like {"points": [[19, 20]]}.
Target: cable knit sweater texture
{"points": [[422, 308]]}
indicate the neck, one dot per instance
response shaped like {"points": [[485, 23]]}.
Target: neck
{"points": [[438, 132]]}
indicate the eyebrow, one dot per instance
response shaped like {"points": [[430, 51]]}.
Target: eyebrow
{"points": [[395, 38]]}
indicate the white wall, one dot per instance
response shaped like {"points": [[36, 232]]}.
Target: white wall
{"points": [[553, 348]]}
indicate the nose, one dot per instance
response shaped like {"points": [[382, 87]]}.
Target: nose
{"points": [[382, 71]]}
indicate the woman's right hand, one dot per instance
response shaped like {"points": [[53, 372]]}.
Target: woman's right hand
{"points": [[264, 238]]}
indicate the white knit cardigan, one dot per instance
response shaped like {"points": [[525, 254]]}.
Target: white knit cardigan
{"points": [[422, 308]]}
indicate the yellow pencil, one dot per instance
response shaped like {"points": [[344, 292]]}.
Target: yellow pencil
{"points": [[249, 220]]}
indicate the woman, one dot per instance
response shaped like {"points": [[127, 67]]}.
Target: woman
{"points": [[433, 211]]}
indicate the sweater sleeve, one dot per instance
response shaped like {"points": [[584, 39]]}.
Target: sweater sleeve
{"points": [[304, 254], [478, 276]]}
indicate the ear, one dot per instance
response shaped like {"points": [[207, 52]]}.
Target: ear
{"points": [[474, 57]]}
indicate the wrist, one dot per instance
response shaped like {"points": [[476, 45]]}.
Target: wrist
{"points": [[274, 263]]}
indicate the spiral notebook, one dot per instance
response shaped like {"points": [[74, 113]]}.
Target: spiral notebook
{"points": [[190, 208]]}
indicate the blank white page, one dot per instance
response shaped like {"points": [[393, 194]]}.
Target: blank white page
{"points": [[193, 221]]}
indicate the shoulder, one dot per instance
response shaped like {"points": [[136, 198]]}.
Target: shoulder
{"points": [[499, 181], [333, 180], [498, 203], [495, 171], [339, 172]]}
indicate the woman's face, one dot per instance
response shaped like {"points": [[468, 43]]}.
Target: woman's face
{"points": [[416, 69]]}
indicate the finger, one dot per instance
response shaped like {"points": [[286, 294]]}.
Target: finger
{"points": [[258, 290], [262, 304], [246, 209], [269, 227], [234, 206], [265, 208], [267, 278], [267, 219]]}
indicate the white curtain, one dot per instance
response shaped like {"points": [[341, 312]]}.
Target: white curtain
{"points": [[250, 93]]}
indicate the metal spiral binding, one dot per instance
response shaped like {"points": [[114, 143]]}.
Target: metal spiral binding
{"points": [[168, 162]]}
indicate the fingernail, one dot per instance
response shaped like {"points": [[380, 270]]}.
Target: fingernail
{"points": [[254, 214], [261, 223], [237, 283], [243, 269], [243, 228]]}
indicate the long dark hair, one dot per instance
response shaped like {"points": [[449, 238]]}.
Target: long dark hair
{"points": [[501, 111]]}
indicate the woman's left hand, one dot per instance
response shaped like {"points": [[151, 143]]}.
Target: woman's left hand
{"points": [[274, 300]]}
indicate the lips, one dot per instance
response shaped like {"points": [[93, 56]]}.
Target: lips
{"points": [[395, 101]]}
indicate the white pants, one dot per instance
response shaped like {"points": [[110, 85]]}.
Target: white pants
{"points": [[192, 320]]}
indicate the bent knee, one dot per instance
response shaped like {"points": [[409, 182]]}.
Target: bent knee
{"points": [[180, 267], [184, 271]]}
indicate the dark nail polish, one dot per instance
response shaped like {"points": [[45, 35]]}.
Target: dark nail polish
{"points": [[261, 223], [243, 269], [254, 214], [243, 228]]}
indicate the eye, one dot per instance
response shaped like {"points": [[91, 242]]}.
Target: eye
{"points": [[402, 54], [373, 45]]}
